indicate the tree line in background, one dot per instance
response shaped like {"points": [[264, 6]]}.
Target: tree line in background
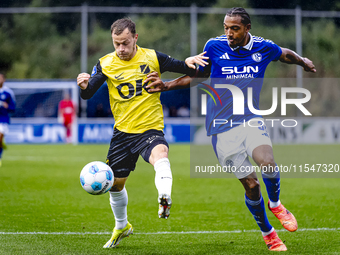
{"points": [[47, 46]]}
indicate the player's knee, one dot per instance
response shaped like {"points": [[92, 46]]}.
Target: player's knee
{"points": [[160, 151], [161, 155], [254, 186], [118, 185], [268, 160]]}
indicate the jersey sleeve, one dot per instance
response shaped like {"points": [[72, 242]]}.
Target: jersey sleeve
{"points": [[97, 79], [167, 63], [275, 50]]}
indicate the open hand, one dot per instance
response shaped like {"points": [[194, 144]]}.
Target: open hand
{"points": [[198, 59]]}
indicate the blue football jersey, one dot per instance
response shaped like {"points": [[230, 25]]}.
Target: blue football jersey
{"points": [[241, 67], [6, 95]]}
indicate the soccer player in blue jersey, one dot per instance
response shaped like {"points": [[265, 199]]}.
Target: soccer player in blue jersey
{"points": [[240, 59], [7, 105]]}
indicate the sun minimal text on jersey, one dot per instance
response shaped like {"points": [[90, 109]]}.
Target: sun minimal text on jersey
{"points": [[242, 67]]}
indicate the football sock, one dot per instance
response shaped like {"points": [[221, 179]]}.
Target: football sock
{"points": [[258, 210], [1, 149], [274, 204], [118, 202], [272, 182], [267, 233], [163, 177]]}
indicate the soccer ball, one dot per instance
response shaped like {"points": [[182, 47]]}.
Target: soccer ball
{"points": [[96, 178]]}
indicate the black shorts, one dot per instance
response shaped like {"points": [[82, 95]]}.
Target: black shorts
{"points": [[125, 149]]}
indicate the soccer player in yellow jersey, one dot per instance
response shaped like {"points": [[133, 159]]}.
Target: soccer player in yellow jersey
{"points": [[138, 117]]}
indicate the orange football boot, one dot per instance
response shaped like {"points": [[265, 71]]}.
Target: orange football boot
{"points": [[274, 243], [286, 218]]}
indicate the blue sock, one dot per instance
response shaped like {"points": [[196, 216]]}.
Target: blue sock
{"points": [[1, 152], [258, 210], [272, 182]]}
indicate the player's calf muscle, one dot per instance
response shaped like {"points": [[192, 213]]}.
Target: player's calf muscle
{"points": [[252, 187]]}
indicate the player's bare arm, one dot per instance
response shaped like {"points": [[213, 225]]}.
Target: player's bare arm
{"points": [[157, 85], [83, 80], [198, 59], [290, 57]]}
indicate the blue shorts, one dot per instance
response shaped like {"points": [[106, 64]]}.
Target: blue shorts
{"points": [[125, 149]]}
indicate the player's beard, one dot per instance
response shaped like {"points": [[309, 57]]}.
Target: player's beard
{"points": [[232, 43], [128, 57], [124, 57], [238, 41]]}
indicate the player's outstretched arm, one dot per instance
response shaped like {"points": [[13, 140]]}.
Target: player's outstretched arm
{"points": [[83, 80], [157, 85], [290, 57], [199, 59]]}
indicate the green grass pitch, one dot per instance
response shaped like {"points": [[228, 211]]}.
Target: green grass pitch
{"points": [[44, 210]]}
